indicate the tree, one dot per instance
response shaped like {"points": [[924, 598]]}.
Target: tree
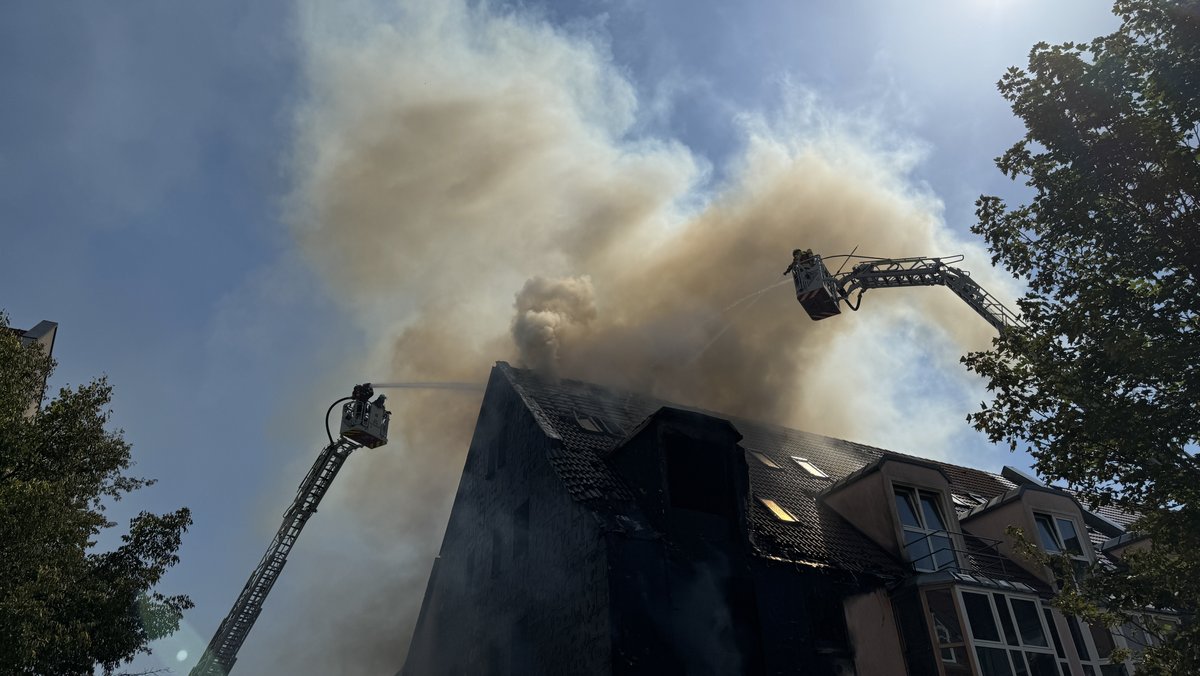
{"points": [[1103, 385], [64, 607]]}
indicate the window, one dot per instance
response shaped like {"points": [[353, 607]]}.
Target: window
{"points": [[1094, 645], [1009, 634], [764, 459], [779, 512], [951, 645], [810, 468], [925, 537], [698, 476], [1063, 665], [594, 423], [1060, 536], [1147, 632], [967, 501]]}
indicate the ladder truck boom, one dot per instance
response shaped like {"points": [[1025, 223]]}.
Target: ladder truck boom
{"points": [[821, 293], [364, 424]]}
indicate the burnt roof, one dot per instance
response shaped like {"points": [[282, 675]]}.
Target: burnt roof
{"points": [[590, 420]]}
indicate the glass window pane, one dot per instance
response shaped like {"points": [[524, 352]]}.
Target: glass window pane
{"points": [[945, 616], [1112, 670], [1041, 664], [1018, 661], [1088, 670], [1046, 532], [1077, 637], [931, 511], [993, 661], [1103, 640], [954, 661], [917, 545], [1058, 647], [810, 468], [942, 550], [779, 512], [979, 614], [1136, 639], [1070, 539], [1010, 633], [904, 505], [761, 457], [1029, 623]]}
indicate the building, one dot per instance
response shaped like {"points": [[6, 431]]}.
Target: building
{"points": [[598, 532], [43, 335]]}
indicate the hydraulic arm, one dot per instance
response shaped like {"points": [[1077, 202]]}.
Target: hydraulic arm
{"points": [[364, 423], [821, 292]]}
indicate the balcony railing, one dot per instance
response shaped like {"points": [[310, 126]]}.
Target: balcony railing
{"points": [[978, 555]]}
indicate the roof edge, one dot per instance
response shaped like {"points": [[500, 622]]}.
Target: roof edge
{"points": [[874, 466], [530, 403]]}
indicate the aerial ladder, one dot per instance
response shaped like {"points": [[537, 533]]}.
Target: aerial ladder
{"points": [[364, 424], [821, 293]]}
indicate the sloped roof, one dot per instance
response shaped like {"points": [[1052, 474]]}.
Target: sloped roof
{"points": [[819, 537]]}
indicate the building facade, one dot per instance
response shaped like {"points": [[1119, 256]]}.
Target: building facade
{"points": [[599, 532], [42, 335]]}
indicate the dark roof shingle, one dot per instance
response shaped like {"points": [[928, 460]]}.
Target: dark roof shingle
{"points": [[819, 537]]}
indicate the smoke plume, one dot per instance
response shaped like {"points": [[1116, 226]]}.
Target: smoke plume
{"points": [[453, 164], [547, 311]]}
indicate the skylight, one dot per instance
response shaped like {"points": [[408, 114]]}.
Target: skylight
{"points": [[593, 423], [964, 501], [810, 468], [779, 512], [764, 459]]}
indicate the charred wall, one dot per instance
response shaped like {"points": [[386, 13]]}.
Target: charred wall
{"points": [[520, 583]]}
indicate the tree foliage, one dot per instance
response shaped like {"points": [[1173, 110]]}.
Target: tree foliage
{"points": [[66, 608], [1103, 385]]}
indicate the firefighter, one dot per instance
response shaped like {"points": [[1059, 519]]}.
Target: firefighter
{"points": [[799, 257]]}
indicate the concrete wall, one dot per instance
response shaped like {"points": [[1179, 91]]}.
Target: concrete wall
{"points": [[867, 504], [521, 583], [874, 635]]}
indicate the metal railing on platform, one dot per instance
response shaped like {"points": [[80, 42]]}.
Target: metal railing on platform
{"points": [[976, 555]]}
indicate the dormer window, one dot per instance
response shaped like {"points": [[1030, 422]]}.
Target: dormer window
{"points": [[1059, 535], [925, 537]]}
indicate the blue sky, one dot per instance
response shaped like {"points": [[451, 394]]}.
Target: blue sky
{"points": [[148, 161]]}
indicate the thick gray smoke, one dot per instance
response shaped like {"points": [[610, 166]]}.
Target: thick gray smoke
{"points": [[453, 164], [548, 310]]}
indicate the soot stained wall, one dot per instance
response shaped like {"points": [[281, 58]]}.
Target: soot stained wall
{"points": [[520, 585]]}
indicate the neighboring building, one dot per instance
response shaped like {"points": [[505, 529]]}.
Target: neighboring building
{"points": [[597, 532], [43, 335]]}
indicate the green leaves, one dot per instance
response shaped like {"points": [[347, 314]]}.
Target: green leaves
{"points": [[1103, 385], [65, 608]]}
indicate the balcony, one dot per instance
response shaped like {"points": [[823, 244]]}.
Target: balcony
{"points": [[979, 559]]}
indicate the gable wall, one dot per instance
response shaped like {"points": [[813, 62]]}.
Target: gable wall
{"points": [[506, 598]]}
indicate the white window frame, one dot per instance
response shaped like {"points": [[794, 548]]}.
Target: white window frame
{"points": [[1002, 644], [1093, 660], [940, 647], [930, 561]]}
